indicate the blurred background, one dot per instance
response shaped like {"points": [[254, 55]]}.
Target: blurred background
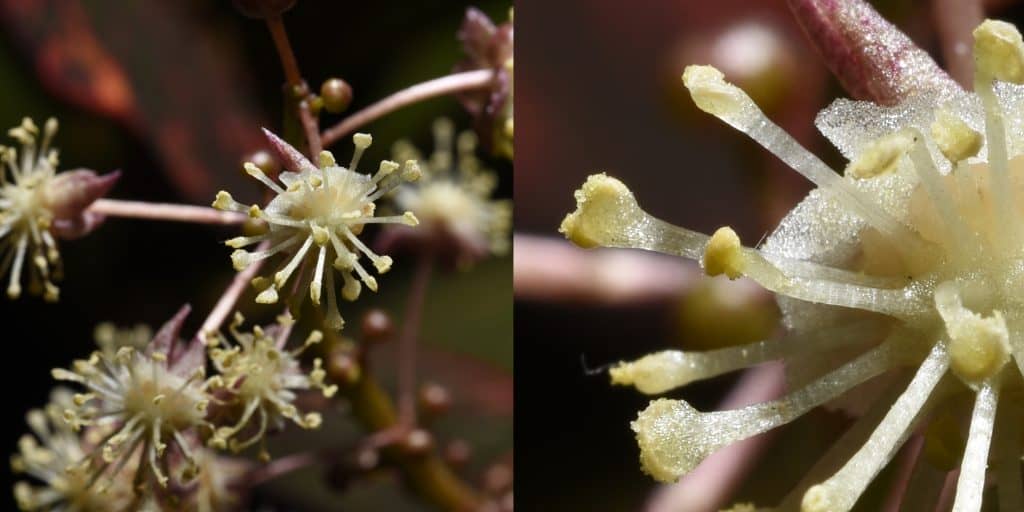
{"points": [[600, 90], [173, 93]]}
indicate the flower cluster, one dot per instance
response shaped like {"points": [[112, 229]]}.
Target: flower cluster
{"points": [[910, 258], [317, 215], [453, 198], [150, 414], [489, 46], [36, 203], [258, 376]]}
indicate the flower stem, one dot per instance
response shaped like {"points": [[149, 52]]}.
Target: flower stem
{"points": [[165, 211], [298, 92], [449, 84], [407, 342], [284, 51], [227, 301], [428, 474]]}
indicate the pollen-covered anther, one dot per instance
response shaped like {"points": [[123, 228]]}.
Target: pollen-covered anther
{"points": [[724, 254], [604, 208], [712, 94], [979, 346], [881, 156], [999, 51], [955, 139]]}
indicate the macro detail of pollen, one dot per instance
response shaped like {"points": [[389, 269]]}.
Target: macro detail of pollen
{"points": [[905, 269]]}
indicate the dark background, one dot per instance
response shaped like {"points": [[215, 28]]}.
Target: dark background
{"points": [[203, 79]]}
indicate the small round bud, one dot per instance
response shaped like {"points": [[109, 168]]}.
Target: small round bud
{"points": [[336, 95], [343, 367], [367, 459], [263, 161], [262, 8], [417, 442], [377, 326], [434, 399], [498, 479], [457, 452]]}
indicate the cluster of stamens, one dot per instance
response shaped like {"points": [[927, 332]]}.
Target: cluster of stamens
{"points": [[316, 216], [923, 233], [25, 212], [454, 194], [261, 378]]}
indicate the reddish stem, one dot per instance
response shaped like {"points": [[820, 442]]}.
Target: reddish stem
{"points": [[450, 84], [407, 342], [227, 301], [165, 211], [299, 90], [284, 51]]}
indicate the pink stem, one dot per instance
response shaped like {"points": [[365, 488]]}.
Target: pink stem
{"points": [[453, 83], [407, 343], [281, 466], [955, 21], [165, 211], [227, 301], [553, 270], [709, 486]]}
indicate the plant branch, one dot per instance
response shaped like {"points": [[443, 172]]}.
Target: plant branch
{"points": [[427, 472], [449, 84], [407, 342], [298, 93], [284, 51], [166, 211], [227, 301]]}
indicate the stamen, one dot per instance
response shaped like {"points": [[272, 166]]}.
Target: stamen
{"points": [[998, 55], [959, 237], [970, 486], [382, 263], [361, 141], [663, 371], [333, 319], [674, 437], [256, 172], [714, 95], [350, 290], [14, 287], [318, 276], [840, 492]]}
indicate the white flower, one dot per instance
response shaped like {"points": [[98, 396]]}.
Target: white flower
{"points": [[53, 456], [453, 198], [145, 399], [913, 258], [316, 217], [261, 379]]}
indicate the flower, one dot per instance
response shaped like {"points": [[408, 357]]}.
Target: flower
{"points": [[144, 398], [452, 199], [258, 375], [911, 258], [489, 47], [52, 456], [35, 203], [323, 209]]}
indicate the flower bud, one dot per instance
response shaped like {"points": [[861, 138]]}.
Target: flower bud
{"points": [[336, 95]]}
